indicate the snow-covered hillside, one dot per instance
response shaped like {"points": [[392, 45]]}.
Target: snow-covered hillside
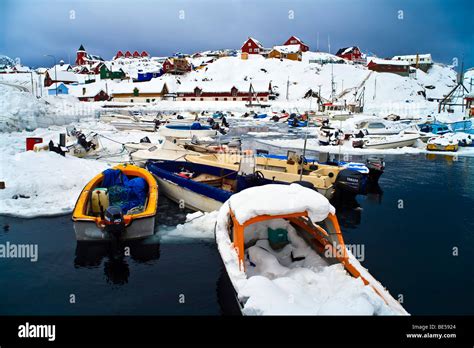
{"points": [[385, 93]]}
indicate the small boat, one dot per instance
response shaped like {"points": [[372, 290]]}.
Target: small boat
{"points": [[164, 149], [187, 130], [443, 143], [390, 141], [132, 125], [465, 126], [323, 178], [280, 245], [200, 187], [117, 204], [378, 127]]}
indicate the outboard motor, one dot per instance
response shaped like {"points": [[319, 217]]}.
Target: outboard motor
{"points": [[351, 182], [376, 167], [114, 222], [145, 140]]}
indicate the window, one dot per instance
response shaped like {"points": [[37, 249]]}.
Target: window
{"points": [[201, 99], [376, 125], [192, 99], [225, 99], [249, 44], [234, 99], [216, 98], [184, 99]]}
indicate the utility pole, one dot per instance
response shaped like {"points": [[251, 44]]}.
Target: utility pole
{"points": [[329, 44], [305, 141], [375, 88], [317, 42], [287, 87]]}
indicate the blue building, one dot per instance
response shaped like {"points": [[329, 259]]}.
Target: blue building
{"points": [[147, 76], [62, 89]]}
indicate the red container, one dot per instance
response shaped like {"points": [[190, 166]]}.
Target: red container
{"points": [[30, 143]]}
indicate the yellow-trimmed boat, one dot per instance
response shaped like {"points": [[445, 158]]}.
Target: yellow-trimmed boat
{"points": [[95, 219]]}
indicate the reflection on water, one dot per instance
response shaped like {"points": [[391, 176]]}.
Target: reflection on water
{"points": [[116, 268]]}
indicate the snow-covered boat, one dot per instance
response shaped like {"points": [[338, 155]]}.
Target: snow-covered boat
{"points": [[444, 142], [162, 150], [200, 187], [187, 130], [390, 141], [284, 253], [117, 204]]}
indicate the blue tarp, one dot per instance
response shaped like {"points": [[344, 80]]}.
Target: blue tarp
{"points": [[124, 192]]}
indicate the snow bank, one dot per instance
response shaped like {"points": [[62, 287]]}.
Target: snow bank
{"points": [[21, 110], [43, 183], [266, 200], [274, 284]]}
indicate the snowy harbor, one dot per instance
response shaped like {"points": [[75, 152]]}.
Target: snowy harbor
{"points": [[277, 183]]}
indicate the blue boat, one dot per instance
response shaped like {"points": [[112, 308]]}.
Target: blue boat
{"points": [[297, 123], [462, 126], [435, 128], [259, 116], [198, 186]]}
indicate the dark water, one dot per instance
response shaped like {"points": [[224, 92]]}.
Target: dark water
{"points": [[409, 250]]}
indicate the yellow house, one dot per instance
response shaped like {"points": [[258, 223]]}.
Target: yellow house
{"points": [[292, 52]]}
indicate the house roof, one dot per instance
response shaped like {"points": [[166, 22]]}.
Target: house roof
{"points": [[346, 50], [53, 87], [153, 86], [288, 49], [81, 49], [296, 38], [380, 61], [258, 43], [222, 86], [67, 76], [413, 56]]}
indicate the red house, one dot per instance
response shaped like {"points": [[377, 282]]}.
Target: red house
{"points": [[176, 66], [352, 53], [144, 54], [136, 54], [128, 54], [293, 40], [118, 55], [398, 67], [252, 46]]}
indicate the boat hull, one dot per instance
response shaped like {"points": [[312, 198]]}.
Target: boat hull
{"points": [[186, 197], [392, 144], [88, 231], [186, 133]]}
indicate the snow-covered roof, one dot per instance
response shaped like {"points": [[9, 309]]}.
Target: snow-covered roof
{"points": [[267, 200], [346, 50], [153, 86], [67, 76], [254, 40], [287, 49], [221, 86], [413, 56], [381, 61]]}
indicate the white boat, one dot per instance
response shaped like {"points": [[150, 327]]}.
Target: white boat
{"points": [[162, 150], [134, 125], [187, 130], [284, 253], [379, 127], [390, 141]]}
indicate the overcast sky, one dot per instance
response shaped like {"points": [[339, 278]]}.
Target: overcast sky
{"points": [[29, 29]]}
